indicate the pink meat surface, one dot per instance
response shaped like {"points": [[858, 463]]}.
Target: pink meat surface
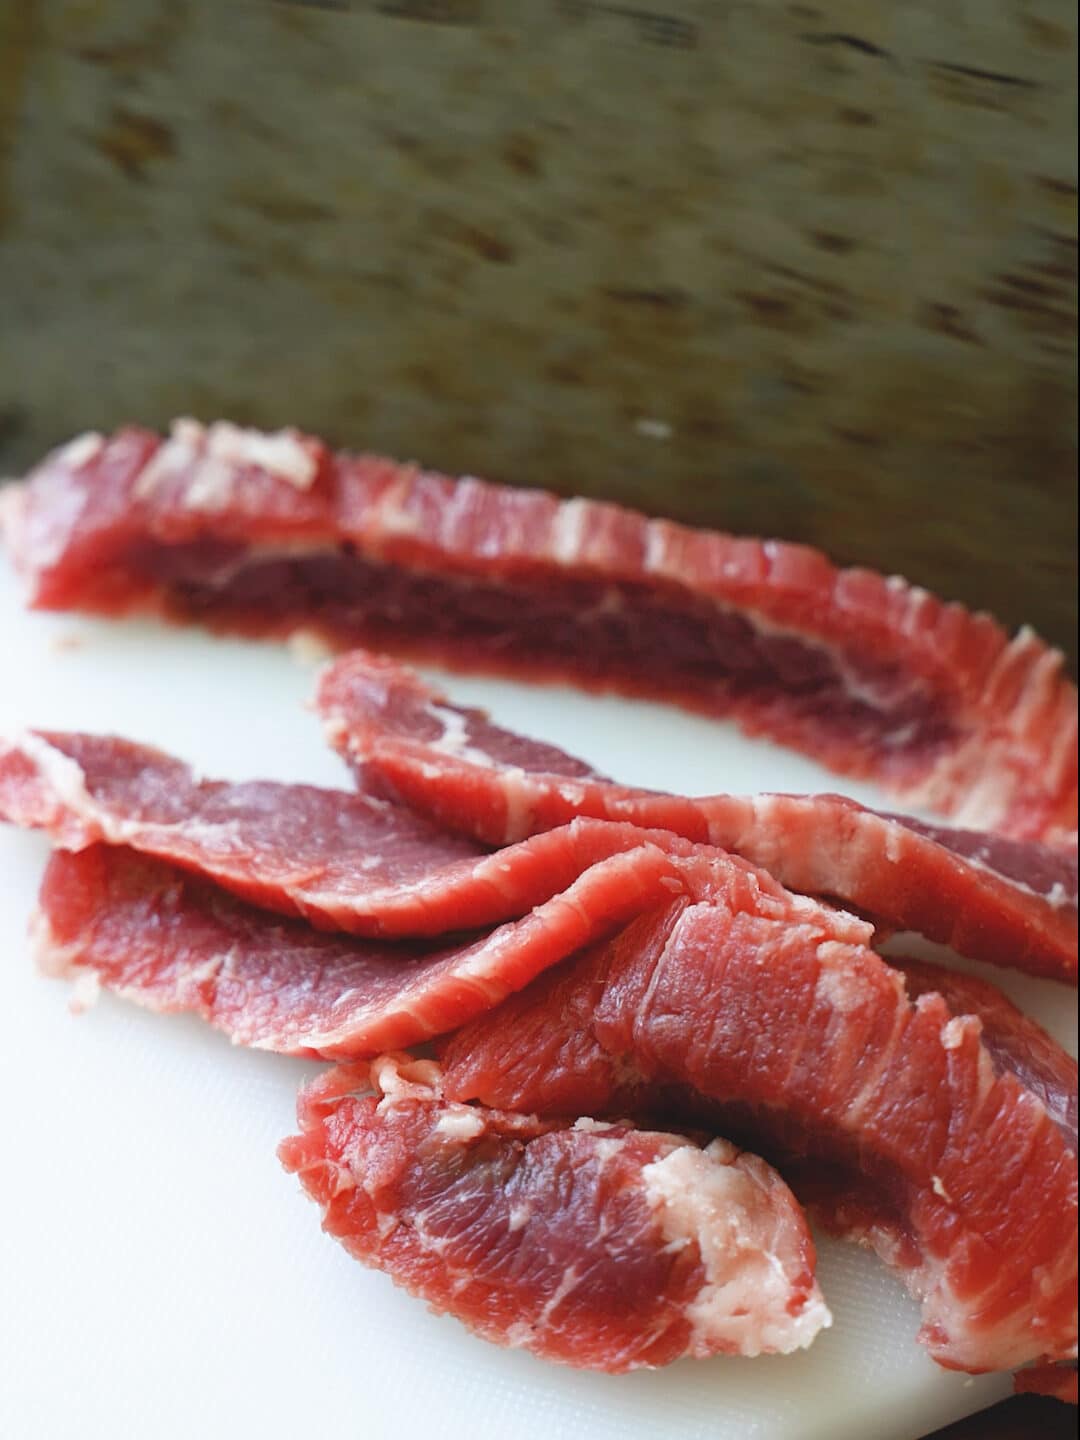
{"points": [[598, 1245], [1004, 901], [923, 1126], [343, 861], [1012, 1039], [172, 941], [263, 533]]}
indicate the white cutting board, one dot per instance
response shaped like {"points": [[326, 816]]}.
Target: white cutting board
{"points": [[160, 1275]]}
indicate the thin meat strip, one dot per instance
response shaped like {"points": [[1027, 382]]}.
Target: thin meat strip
{"points": [[342, 861], [1003, 901], [795, 1038], [596, 1245], [174, 942], [263, 533]]}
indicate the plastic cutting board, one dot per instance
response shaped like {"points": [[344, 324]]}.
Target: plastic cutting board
{"points": [[161, 1275]]}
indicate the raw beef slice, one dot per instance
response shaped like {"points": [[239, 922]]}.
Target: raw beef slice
{"points": [[1004, 901], [793, 1037], [172, 941], [1057, 1381], [600, 1246], [264, 533], [341, 860]]}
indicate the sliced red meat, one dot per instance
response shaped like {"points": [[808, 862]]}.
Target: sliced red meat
{"points": [[600, 1246], [172, 941], [1004, 901], [1057, 1381], [263, 533], [343, 861], [1014, 1042], [806, 1045]]}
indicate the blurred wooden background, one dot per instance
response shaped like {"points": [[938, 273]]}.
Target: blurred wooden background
{"points": [[795, 269]]}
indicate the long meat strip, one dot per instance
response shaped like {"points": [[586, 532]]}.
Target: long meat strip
{"points": [[173, 942], [341, 860], [1004, 901], [804, 1043], [264, 533], [597, 1245]]}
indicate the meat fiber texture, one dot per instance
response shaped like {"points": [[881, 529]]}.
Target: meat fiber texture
{"points": [[175, 942], [947, 1138], [342, 861], [264, 533], [1004, 901], [597, 1245], [172, 940]]}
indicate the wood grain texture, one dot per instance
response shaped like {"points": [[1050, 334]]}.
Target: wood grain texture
{"points": [[796, 269]]}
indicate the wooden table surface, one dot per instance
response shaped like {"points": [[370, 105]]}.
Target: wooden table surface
{"points": [[1022, 1418]]}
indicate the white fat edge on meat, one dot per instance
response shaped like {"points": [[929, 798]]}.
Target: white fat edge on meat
{"points": [[214, 454], [515, 781], [1041, 683], [838, 985], [918, 599], [967, 1344], [977, 814], [519, 1216], [588, 1126], [1057, 896], [929, 1283], [282, 453], [658, 562], [898, 836], [454, 739], [706, 1198], [392, 518], [65, 962], [34, 549], [568, 529], [515, 784], [399, 1077], [79, 452], [62, 776], [460, 1123], [66, 780], [56, 960], [990, 794], [336, 729], [14, 497], [172, 457], [458, 506], [879, 695], [954, 1033], [308, 646], [843, 989], [833, 923]]}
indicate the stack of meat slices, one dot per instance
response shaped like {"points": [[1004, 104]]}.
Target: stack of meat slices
{"points": [[630, 993]]}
